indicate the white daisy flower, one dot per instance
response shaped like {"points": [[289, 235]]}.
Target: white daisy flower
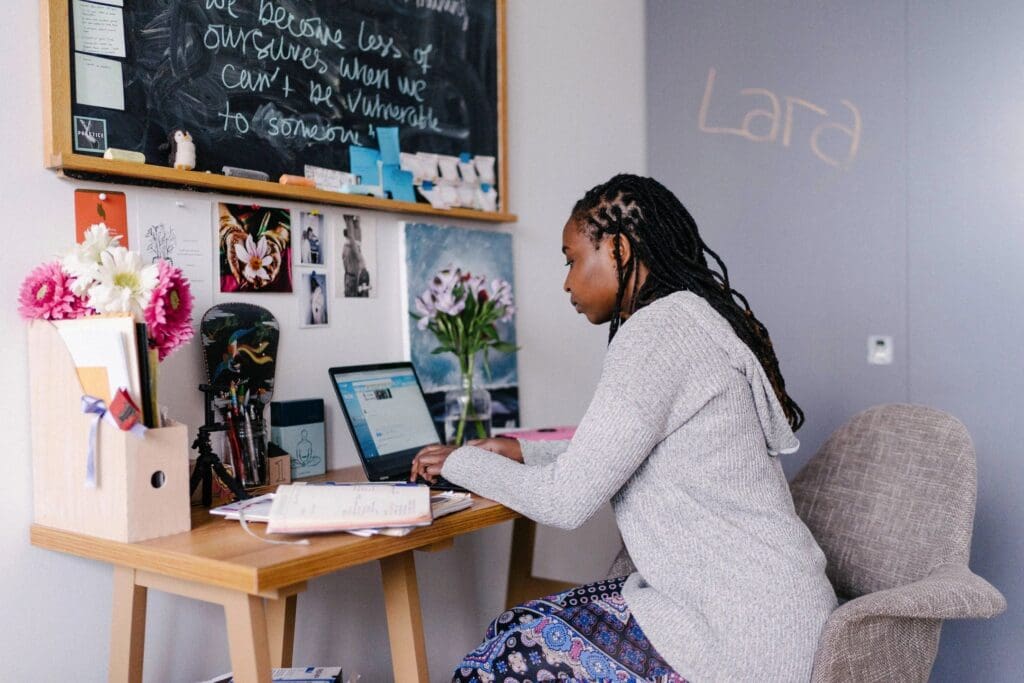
{"points": [[255, 256], [83, 260], [123, 284]]}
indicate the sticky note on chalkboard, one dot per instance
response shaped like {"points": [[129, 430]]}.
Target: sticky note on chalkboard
{"points": [[363, 161], [98, 82], [387, 138], [398, 183], [99, 29]]}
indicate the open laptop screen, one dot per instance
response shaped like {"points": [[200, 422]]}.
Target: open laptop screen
{"points": [[386, 412]]}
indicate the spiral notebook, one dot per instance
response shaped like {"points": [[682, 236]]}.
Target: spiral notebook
{"points": [[301, 509]]}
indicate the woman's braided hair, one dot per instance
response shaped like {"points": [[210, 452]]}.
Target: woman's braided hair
{"points": [[664, 237]]}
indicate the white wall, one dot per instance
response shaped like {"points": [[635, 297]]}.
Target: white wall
{"points": [[576, 93]]}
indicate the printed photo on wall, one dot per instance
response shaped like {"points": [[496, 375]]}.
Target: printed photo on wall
{"points": [[314, 299], [485, 257], [255, 248], [178, 230], [311, 238], [356, 265]]}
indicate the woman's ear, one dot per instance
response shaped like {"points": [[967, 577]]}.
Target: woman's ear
{"points": [[625, 249]]}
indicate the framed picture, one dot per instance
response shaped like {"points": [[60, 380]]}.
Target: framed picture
{"points": [[313, 303], [311, 238]]}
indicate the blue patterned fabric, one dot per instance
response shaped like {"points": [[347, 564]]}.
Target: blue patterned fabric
{"points": [[583, 634]]}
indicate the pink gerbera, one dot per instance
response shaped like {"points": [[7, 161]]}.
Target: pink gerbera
{"points": [[169, 313], [46, 294]]}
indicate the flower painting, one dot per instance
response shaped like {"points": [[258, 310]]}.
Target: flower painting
{"points": [[486, 256], [255, 248]]}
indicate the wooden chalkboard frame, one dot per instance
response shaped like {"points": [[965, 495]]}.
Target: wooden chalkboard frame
{"points": [[55, 41]]}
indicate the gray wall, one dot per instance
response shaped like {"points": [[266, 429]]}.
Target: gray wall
{"points": [[917, 235]]}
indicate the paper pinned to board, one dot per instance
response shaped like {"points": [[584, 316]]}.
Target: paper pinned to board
{"points": [[99, 29], [98, 82]]}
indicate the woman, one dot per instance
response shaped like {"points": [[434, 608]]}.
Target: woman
{"points": [[718, 578]]}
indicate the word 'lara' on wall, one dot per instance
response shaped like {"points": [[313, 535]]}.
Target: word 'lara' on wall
{"points": [[769, 122]]}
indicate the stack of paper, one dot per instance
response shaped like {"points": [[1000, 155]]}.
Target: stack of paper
{"points": [[258, 510]]}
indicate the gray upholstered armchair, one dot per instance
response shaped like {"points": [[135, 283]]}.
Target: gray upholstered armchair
{"points": [[890, 498]]}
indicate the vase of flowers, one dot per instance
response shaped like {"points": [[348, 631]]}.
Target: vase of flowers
{"points": [[100, 276], [463, 312]]}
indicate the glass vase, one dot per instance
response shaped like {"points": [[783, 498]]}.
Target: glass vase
{"points": [[467, 413]]}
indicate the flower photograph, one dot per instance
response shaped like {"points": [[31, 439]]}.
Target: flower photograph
{"points": [[255, 248]]}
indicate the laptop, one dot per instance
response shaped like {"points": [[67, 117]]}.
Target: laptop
{"points": [[388, 418]]}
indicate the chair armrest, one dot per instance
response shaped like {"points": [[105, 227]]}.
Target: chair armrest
{"points": [[950, 591], [894, 634]]}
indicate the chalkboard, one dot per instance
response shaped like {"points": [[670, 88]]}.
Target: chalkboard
{"points": [[274, 85]]}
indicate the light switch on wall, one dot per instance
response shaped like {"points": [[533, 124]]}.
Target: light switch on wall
{"points": [[879, 350]]}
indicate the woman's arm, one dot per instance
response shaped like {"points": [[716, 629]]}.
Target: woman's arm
{"points": [[650, 385], [542, 452]]}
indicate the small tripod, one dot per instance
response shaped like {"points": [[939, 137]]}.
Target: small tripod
{"points": [[208, 464]]}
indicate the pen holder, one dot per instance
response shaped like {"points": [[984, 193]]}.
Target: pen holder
{"points": [[141, 487]]}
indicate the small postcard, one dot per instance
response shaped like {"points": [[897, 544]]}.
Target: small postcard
{"points": [[254, 244], [90, 134], [314, 300], [312, 238], [356, 264]]}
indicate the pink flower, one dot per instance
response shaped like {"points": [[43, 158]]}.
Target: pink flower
{"points": [[46, 294], [169, 313]]}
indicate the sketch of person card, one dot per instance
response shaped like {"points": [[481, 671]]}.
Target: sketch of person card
{"points": [[314, 299], [255, 248], [312, 246], [356, 263], [178, 231]]}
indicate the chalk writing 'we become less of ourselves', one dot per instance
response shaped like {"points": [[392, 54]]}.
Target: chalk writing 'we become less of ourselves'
{"points": [[311, 43]]}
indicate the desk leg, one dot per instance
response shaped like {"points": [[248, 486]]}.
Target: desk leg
{"points": [[405, 623], [281, 627], [128, 632], [247, 637], [522, 584]]}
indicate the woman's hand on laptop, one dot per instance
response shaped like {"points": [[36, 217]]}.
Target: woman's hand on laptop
{"points": [[429, 461]]}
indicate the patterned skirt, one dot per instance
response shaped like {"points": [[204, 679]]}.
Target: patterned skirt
{"points": [[584, 634]]}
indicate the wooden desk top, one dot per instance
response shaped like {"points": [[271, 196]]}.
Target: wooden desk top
{"points": [[218, 552]]}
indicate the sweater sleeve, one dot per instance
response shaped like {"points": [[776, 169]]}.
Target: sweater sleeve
{"points": [[655, 377], [541, 452]]}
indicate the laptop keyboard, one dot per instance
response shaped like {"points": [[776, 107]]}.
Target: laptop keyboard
{"points": [[441, 484]]}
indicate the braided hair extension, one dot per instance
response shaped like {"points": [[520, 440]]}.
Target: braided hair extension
{"points": [[664, 237]]}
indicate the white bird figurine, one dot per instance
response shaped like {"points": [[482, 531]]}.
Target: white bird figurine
{"points": [[183, 150]]}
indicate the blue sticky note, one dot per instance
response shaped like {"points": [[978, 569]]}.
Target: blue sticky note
{"points": [[363, 163], [387, 138], [398, 183]]}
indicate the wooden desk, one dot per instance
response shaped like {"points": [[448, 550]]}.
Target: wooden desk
{"points": [[257, 583]]}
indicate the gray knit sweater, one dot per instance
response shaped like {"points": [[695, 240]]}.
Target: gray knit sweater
{"points": [[729, 585]]}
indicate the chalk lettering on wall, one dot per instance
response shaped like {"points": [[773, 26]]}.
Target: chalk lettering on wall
{"points": [[765, 124]]}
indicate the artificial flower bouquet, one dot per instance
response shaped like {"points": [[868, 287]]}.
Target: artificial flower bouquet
{"points": [[100, 276], [463, 313]]}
